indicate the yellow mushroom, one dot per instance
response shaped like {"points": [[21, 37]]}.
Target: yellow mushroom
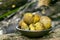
{"points": [[13, 6], [39, 26], [23, 25], [46, 21], [36, 18], [43, 2], [28, 18], [32, 27]]}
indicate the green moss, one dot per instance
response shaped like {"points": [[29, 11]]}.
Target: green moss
{"points": [[15, 10], [8, 13], [8, 4], [11, 11], [0, 0]]}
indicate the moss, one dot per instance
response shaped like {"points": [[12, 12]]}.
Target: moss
{"points": [[8, 13], [8, 3]]}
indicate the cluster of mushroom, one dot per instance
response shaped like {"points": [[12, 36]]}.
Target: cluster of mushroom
{"points": [[34, 22]]}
